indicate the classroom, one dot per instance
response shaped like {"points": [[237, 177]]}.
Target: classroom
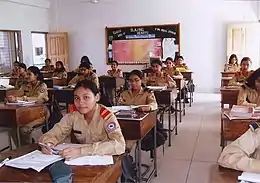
{"points": [[130, 91]]}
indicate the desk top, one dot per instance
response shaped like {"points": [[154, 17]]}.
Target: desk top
{"points": [[224, 88], [86, 174], [223, 175]]}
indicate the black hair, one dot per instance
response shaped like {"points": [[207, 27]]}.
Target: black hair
{"points": [[36, 71], [156, 61], [250, 81], [231, 57], [62, 69], [179, 57], [137, 73], [87, 84], [16, 62], [169, 58], [47, 59], [22, 65], [85, 59], [84, 65], [245, 59], [115, 62]]}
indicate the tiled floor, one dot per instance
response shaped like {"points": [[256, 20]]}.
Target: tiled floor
{"points": [[195, 149]]}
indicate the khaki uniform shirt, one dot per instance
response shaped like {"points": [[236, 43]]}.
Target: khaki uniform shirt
{"points": [[49, 69], [20, 82], [173, 71], [231, 68], [239, 78], [142, 98], [90, 76], [37, 93], [243, 154], [160, 79], [102, 135], [116, 73], [60, 75], [249, 97]]}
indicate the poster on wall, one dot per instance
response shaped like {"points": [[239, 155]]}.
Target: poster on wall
{"points": [[135, 45]]}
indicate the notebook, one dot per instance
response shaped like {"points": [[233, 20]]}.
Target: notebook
{"points": [[249, 177]]}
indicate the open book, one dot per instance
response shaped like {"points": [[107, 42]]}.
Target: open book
{"points": [[242, 112], [249, 177], [157, 87]]}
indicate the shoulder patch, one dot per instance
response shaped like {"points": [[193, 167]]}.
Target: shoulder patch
{"points": [[111, 126], [105, 113], [254, 126]]}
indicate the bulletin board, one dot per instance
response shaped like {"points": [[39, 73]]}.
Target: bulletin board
{"points": [[136, 44]]}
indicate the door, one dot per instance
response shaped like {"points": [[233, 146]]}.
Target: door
{"points": [[243, 40], [57, 47]]}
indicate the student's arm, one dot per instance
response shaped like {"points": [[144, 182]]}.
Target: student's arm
{"points": [[120, 73], [237, 155], [64, 75], [74, 80], [234, 81], [95, 79], [59, 132], [242, 98], [114, 146], [170, 82], [151, 101]]}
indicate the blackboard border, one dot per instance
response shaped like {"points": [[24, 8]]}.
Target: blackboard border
{"points": [[136, 26]]}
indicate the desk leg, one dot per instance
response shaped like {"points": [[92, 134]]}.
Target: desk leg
{"points": [[18, 136], [169, 126], [180, 112], [176, 119], [183, 104], [138, 161], [155, 152]]}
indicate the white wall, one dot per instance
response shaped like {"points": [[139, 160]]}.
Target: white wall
{"points": [[27, 16], [203, 29]]}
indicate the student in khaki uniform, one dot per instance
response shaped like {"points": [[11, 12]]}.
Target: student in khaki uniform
{"points": [[48, 67], [243, 154], [240, 76], [60, 71], [159, 78], [92, 124], [180, 64], [34, 90], [171, 69], [249, 93], [232, 65], [22, 76], [85, 74], [86, 60], [115, 72], [15, 70]]}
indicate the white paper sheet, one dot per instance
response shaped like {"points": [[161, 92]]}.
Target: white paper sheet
{"points": [[60, 147], [20, 102], [121, 107], [157, 87], [91, 160], [35, 160], [250, 177]]}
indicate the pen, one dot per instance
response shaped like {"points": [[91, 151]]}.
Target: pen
{"points": [[4, 161]]}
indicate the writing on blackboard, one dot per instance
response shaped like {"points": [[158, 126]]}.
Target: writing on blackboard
{"points": [[117, 31], [164, 30]]}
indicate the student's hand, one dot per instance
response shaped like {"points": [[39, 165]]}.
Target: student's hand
{"points": [[11, 98], [70, 153], [47, 150], [144, 108]]}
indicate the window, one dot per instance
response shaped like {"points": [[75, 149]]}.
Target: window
{"points": [[39, 48], [10, 49]]}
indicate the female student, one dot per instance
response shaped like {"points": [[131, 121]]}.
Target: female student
{"points": [[85, 74], [60, 71], [92, 124], [48, 67], [34, 90], [232, 65], [249, 93], [21, 76], [171, 69], [15, 71], [115, 72], [85, 59], [240, 76], [180, 65], [159, 78]]}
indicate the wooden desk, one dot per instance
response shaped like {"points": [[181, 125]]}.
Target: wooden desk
{"points": [[227, 74], [167, 98], [86, 174], [188, 76], [229, 96], [232, 129], [223, 175], [64, 95], [112, 82], [225, 81], [136, 129], [48, 82], [47, 74], [180, 82], [2, 94]]}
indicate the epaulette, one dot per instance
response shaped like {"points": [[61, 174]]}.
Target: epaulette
{"points": [[105, 113], [254, 126]]}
